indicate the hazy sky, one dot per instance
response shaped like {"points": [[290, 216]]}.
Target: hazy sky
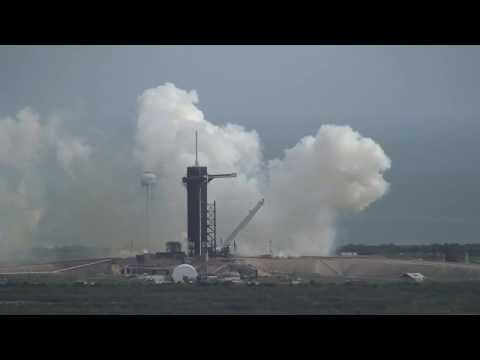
{"points": [[420, 103]]}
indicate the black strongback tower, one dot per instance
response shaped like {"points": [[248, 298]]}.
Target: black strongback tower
{"points": [[196, 183]]}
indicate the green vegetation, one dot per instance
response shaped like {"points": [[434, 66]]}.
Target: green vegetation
{"points": [[447, 251], [312, 298]]}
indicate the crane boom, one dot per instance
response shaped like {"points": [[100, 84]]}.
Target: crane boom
{"points": [[240, 226]]}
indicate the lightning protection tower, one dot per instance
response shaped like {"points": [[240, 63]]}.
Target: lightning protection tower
{"points": [[148, 181], [197, 212]]}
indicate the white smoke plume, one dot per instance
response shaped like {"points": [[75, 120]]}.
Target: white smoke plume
{"points": [[56, 188], [25, 145], [337, 170], [20, 139], [25, 139], [69, 152]]}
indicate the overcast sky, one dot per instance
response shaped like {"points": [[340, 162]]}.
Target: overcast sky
{"points": [[420, 103]]}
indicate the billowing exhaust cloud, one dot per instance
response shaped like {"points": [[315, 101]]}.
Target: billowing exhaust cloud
{"points": [[337, 170], [59, 189], [26, 146], [68, 152]]}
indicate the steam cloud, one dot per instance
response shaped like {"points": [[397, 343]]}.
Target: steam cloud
{"points": [[337, 170], [59, 189], [26, 144]]}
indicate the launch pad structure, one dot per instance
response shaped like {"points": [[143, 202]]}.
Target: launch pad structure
{"points": [[201, 231]]}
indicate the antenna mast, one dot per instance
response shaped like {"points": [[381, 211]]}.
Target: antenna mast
{"points": [[196, 148]]}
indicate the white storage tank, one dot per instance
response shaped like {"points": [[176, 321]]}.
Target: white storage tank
{"points": [[149, 178], [184, 271]]}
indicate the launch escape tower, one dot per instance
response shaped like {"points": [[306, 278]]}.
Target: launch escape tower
{"points": [[201, 231]]}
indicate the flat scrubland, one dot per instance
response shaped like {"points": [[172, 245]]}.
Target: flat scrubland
{"points": [[57, 297]]}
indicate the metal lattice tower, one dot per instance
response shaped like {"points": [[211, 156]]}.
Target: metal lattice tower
{"points": [[212, 228]]}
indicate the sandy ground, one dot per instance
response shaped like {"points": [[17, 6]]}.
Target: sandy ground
{"points": [[365, 267], [336, 268]]}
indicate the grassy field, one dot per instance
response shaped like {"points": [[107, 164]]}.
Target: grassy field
{"points": [[135, 298]]}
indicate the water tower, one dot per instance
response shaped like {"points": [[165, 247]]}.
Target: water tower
{"points": [[148, 181]]}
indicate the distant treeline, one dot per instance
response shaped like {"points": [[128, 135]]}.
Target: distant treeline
{"points": [[447, 250]]}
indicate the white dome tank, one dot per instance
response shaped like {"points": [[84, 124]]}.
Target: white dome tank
{"points": [[184, 271], [149, 178]]}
